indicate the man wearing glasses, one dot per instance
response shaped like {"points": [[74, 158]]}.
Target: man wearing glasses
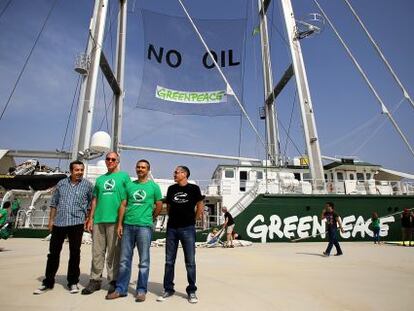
{"points": [[185, 205], [109, 192]]}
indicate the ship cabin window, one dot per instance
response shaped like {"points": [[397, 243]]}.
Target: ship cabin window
{"points": [[332, 176], [259, 175], [340, 176], [351, 176], [307, 177], [326, 177], [243, 179], [368, 176], [360, 176], [297, 176], [228, 173]]}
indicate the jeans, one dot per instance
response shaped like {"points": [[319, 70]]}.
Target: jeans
{"points": [[376, 235], [141, 237], [333, 240], [186, 236], [74, 234]]}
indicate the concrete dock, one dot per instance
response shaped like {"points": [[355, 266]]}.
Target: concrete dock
{"points": [[278, 276]]}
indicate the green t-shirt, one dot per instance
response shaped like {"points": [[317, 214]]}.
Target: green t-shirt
{"points": [[3, 219], [140, 202], [109, 192], [376, 223]]}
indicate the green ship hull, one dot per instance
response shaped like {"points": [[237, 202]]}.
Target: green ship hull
{"points": [[283, 218]]}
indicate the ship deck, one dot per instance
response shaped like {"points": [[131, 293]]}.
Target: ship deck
{"points": [[278, 276]]}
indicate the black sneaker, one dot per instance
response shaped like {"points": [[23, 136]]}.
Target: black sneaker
{"points": [[92, 287], [338, 254]]}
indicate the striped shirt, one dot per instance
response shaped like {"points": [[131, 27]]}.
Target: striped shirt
{"points": [[71, 202]]}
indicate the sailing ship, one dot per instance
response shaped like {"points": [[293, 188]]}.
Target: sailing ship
{"points": [[275, 199]]}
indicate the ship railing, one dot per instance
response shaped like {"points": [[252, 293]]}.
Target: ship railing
{"points": [[407, 188], [245, 200]]}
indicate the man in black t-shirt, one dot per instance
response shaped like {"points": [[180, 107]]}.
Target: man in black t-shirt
{"points": [[229, 226], [185, 205], [332, 219]]}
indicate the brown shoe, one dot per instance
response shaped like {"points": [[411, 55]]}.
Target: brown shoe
{"points": [[114, 295], [140, 298]]}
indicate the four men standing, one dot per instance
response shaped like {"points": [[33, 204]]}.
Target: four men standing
{"points": [[121, 209]]}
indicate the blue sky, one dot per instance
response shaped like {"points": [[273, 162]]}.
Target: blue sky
{"points": [[348, 116]]}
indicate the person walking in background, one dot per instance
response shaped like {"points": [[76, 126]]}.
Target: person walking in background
{"points": [[332, 222], [68, 209], [136, 217], [376, 227], [185, 205], [108, 194], [228, 226], [406, 229]]}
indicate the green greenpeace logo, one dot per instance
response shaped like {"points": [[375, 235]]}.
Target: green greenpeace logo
{"points": [[213, 97]]}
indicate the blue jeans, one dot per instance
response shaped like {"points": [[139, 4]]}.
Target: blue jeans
{"points": [[141, 237], [333, 240], [376, 235], [186, 236]]}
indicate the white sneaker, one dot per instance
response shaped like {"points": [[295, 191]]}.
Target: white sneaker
{"points": [[41, 290], [74, 289], [192, 298], [164, 296]]}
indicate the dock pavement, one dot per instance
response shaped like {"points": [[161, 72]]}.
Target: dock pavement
{"points": [[274, 276]]}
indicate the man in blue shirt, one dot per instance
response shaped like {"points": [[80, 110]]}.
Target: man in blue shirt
{"points": [[68, 208]]}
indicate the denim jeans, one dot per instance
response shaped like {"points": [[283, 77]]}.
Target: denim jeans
{"points": [[141, 237], [376, 234], [186, 236], [333, 240]]}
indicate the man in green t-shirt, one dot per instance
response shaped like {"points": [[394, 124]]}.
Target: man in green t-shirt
{"points": [[136, 217], [108, 194]]}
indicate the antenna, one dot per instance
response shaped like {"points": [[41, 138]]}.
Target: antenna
{"points": [[313, 23]]}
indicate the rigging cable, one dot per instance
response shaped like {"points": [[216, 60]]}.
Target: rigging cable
{"points": [[381, 55], [105, 117], [27, 59], [221, 72], [375, 131], [77, 92], [290, 122], [5, 8], [361, 71]]}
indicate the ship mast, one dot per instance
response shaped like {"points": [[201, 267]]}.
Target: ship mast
{"points": [[95, 59], [308, 118], [272, 137]]}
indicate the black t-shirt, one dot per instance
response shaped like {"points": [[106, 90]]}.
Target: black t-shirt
{"points": [[331, 220], [228, 216], [182, 201]]}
